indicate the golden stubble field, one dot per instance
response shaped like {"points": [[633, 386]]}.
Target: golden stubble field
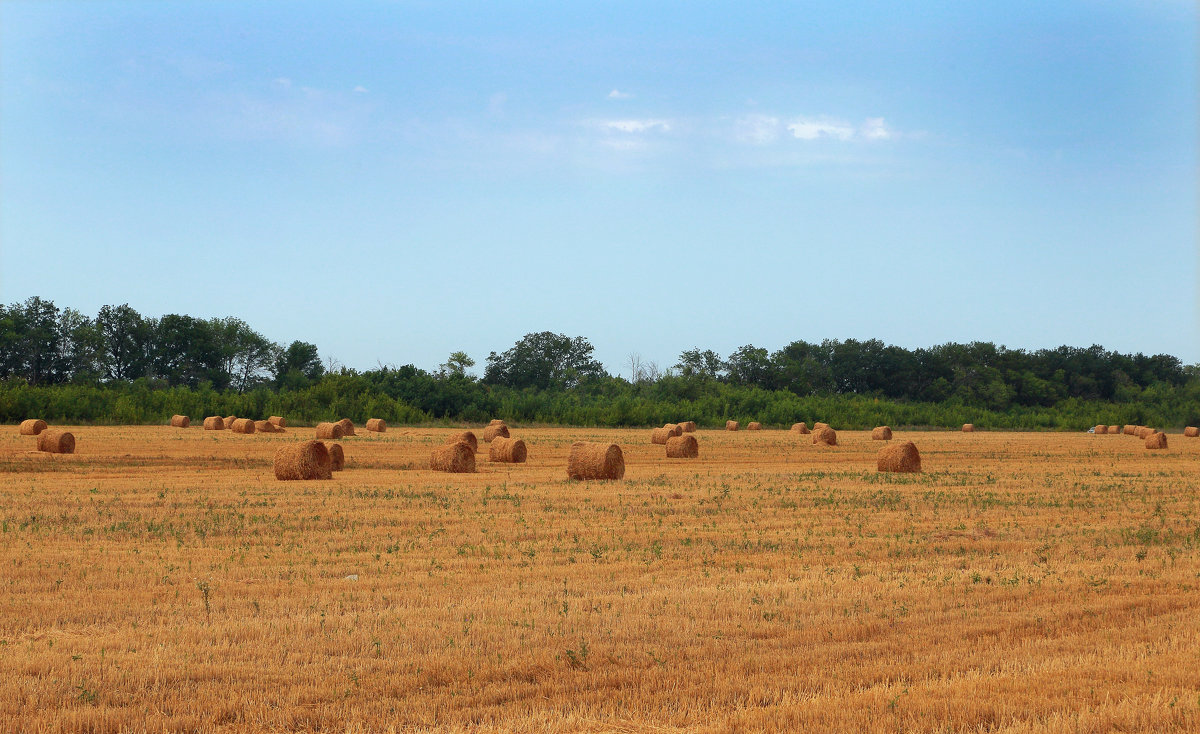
{"points": [[162, 580]]}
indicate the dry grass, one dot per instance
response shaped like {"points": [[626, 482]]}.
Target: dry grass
{"points": [[164, 580]]}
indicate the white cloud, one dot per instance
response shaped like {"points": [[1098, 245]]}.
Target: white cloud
{"points": [[757, 129], [876, 129], [618, 94], [636, 126], [360, 89], [805, 128], [284, 82]]}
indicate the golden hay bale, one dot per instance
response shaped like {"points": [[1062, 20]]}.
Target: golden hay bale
{"points": [[180, 421], [509, 450], [731, 425], [819, 425], [466, 437], [347, 426], [595, 461], [214, 423], [495, 422], [329, 431], [1100, 430], [800, 428], [337, 457], [1114, 429], [277, 421], [265, 427], [881, 433], [688, 426], [55, 441], [968, 428], [1156, 440], [228, 420], [242, 425], [753, 426], [305, 460], [494, 430], [1128, 429], [675, 428], [1143, 432], [32, 427], [1191, 432], [660, 435], [824, 437], [457, 458], [376, 425], [683, 447], [899, 457]]}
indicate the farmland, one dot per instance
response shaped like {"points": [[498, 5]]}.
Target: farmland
{"points": [[162, 579]]}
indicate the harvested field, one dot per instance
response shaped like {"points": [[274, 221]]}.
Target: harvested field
{"points": [[1024, 582]]}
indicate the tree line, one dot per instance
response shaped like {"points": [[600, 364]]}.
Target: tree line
{"points": [[123, 367]]}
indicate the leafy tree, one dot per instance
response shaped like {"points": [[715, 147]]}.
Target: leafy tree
{"points": [[297, 365], [696, 363], [456, 365], [544, 360], [751, 365], [127, 342]]}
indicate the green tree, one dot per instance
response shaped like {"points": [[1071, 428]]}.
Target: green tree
{"points": [[544, 360]]}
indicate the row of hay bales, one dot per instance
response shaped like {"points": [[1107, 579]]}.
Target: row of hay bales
{"points": [[1152, 439], [457, 454], [277, 424], [308, 460], [49, 440]]}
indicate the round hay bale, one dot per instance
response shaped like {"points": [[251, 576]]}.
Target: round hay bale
{"points": [[1156, 440], [819, 425], [331, 431], [968, 428], [457, 458], [337, 457], [466, 437], [753, 426], [1191, 432], [305, 460], [800, 428], [180, 421], [824, 437], [881, 433], [347, 426], [683, 447], [376, 425], [54, 441], [1114, 429], [508, 450], [899, 457], [1100, 430], [595, 461], [688, 426], [660, 435], [277, 421], [242, 425], [265, 427], [214, 423], [494, 430], [1143, 432], [32, 427], [675, 428], [1128, 429], [731, 425], [228, 420], [496, 422]]}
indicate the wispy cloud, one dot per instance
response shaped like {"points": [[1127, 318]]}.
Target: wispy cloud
{"points": [[360, 89], [876, 129], [757, 129], [618, 94], [804, 128], [826, 128], [636, 126]]}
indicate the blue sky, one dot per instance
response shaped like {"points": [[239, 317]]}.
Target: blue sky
{"points": [[395, 181]]}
